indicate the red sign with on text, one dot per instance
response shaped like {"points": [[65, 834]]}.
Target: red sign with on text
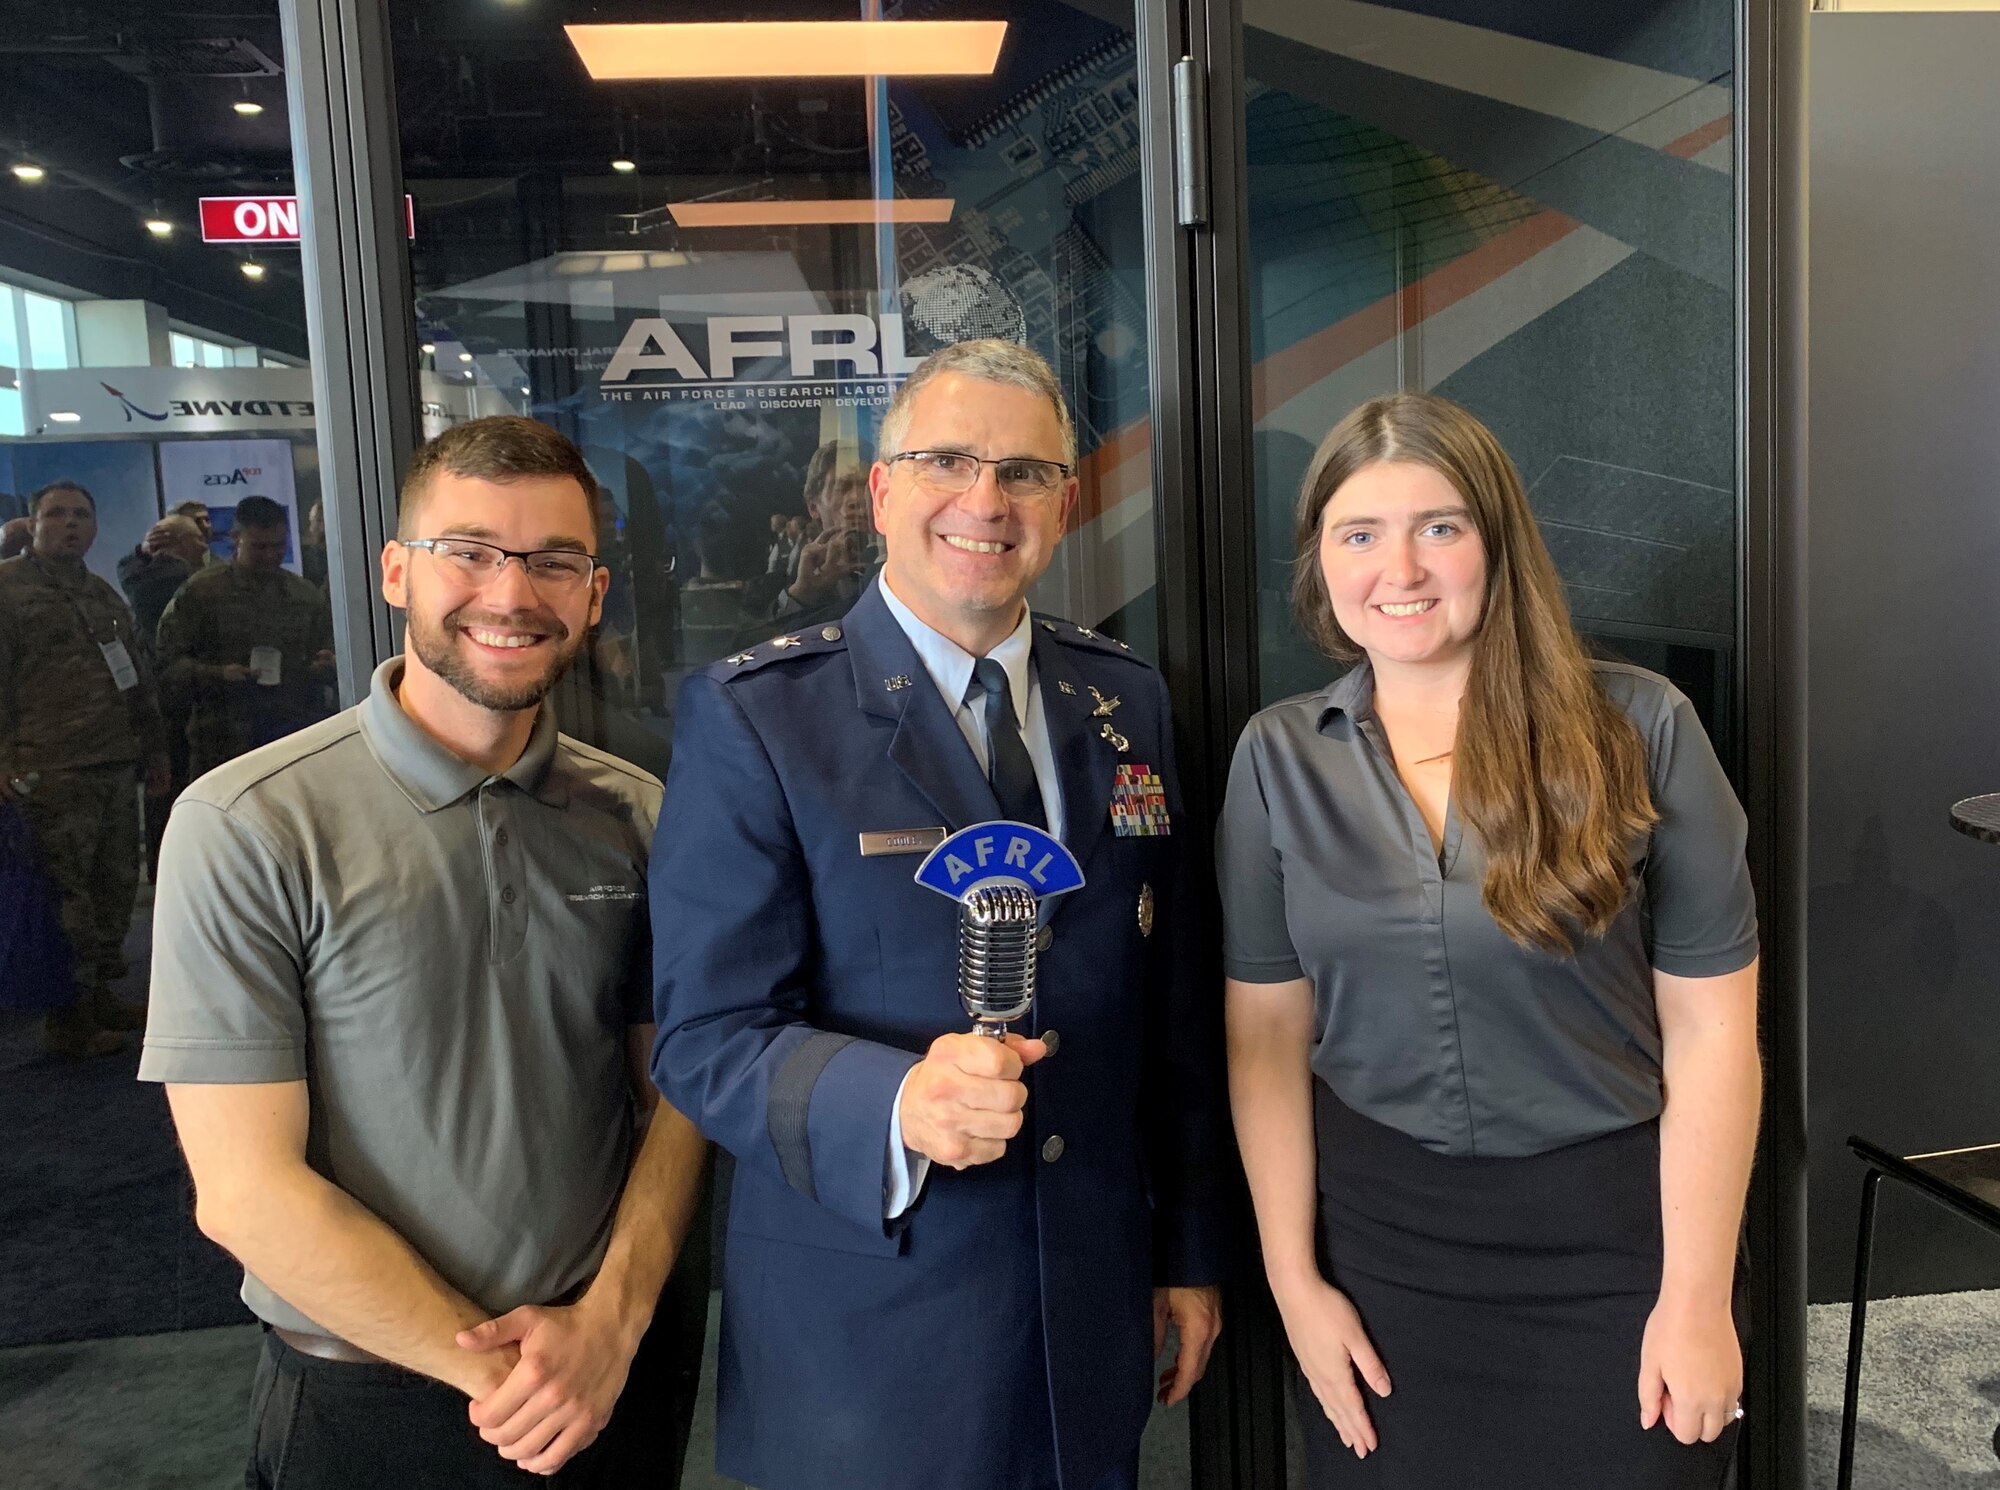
{"points": [[263, 219]]}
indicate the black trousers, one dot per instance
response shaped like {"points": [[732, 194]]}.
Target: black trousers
{"points": [[330, 1425]]}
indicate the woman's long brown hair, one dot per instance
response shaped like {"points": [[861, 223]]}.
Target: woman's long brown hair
{"points": [[1547, 770]]}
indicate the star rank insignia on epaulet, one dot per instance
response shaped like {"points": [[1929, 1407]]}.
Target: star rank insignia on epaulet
{"points": [[786, 644], [1088, 637]]}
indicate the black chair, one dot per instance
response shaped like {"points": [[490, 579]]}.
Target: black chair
{"points": [[1963, 1180]]}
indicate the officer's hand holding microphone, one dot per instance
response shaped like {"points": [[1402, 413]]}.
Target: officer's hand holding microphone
{"points": [[964, 1100]]}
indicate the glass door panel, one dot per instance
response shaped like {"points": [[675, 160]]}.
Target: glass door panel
{"points": [[156, 435], [1531, 212], [714, 285]]}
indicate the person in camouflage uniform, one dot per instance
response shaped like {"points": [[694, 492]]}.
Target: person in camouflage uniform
{"points": [[78, 720], [151, 575], [221, 617]]}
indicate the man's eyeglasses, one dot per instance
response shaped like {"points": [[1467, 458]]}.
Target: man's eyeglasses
{"points": [[552, 569], [1021, 479]]}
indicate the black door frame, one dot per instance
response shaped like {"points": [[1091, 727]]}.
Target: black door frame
{"points": [[1771, 769], [360, 310]]}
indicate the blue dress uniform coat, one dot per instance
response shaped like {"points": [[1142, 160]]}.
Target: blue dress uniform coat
{"points": [[998, 1334]]}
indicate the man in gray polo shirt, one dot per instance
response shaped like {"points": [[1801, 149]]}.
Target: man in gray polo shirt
{"points": [[401, 1003]]}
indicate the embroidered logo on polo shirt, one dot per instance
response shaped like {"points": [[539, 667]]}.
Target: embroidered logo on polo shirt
{"points": [[608, 892]]}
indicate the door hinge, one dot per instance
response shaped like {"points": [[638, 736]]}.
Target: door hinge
{"points": [[1190, 145]]}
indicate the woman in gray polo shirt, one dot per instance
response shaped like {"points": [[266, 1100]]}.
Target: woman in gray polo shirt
{"points": [[1491, 952]]}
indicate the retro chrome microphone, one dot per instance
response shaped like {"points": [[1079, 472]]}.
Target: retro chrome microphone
{"points": [[999, 873], [996, 956]]}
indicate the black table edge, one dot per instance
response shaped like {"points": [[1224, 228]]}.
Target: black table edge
{"points": [[1969, 1206]]}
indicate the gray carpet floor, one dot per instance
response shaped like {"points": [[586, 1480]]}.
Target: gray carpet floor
{"points": [[167, 1412], [1930, 1393]]}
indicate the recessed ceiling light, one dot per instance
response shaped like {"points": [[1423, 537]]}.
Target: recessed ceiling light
{"points": [[464, 356], [803, 213], [789, 49], [28, 171], [623, 166], [159, 227], [64, 416], [429, 348], [252, 269], [247, 107]]}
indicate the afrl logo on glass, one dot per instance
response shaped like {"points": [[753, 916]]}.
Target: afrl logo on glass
{"points": [[869, 347]]}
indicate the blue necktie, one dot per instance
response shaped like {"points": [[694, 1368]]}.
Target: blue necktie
{"points": [[1007, 763]]}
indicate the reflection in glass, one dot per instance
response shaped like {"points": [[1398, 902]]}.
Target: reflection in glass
{"points": [[1531, 215], [127, 109]]}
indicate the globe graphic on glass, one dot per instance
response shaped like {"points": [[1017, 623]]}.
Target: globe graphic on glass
{"points": [[958, 302]]}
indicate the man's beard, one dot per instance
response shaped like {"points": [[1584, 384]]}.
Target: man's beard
{"points": [[436, 647]]}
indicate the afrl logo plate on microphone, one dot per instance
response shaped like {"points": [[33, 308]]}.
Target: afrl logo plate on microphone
{"points": [[1000, 854]]}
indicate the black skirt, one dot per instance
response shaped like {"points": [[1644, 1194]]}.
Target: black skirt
{"points": [[1507, 1299]]}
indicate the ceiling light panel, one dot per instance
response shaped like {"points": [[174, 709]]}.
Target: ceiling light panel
{"points": [[789, 49]]}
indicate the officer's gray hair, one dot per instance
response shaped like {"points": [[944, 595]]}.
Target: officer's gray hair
{"points": [[991, 360]]}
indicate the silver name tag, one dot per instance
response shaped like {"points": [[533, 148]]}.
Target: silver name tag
{"points": [[901, 841]]}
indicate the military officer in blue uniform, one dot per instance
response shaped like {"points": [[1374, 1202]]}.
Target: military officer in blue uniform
{"points": [[951, 1259]]}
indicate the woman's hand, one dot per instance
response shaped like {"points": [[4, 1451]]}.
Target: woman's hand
{"points": [[1690, 1370], [1332, 1346]]}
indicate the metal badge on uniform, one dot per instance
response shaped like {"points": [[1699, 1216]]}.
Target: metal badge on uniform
{"points": [[900, 841], [1145, 910], [123, 673], [1139, 803]]}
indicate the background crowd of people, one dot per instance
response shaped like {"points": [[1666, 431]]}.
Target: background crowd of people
{"points": [[207, 654]]}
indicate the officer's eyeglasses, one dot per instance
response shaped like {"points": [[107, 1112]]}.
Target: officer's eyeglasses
{"points": [[1020, 479], [551, 569]]}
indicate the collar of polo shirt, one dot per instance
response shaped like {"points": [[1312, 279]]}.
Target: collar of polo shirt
{"points": [[430, 775], [1352, 694]]}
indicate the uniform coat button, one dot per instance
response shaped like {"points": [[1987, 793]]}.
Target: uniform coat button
{"points": [[1052, 1148], [1052, 1039], [507, 895], [1045, 938]]}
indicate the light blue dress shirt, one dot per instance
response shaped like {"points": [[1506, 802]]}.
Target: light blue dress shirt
{"points": [[950, 668]]}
